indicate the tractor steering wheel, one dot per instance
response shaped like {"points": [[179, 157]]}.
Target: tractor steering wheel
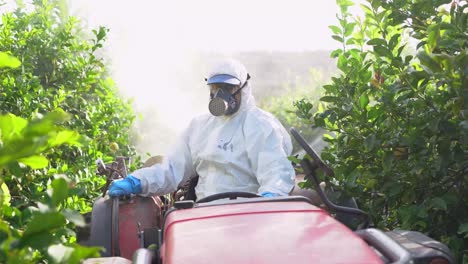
{"points": [[230, 195]]}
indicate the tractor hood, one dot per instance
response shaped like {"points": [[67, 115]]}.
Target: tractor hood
{"points": [[258, 231]]}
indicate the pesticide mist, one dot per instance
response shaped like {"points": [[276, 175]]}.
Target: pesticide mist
{"points": [[160, 52]]}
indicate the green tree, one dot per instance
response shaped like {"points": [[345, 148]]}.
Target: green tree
{"points": [[54, 88], [399, 115], [60, 70]]}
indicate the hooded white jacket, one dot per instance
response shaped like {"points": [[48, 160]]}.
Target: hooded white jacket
{"points": [[246, 151]]}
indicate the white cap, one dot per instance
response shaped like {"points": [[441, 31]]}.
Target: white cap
{"points": [[221, 71]]}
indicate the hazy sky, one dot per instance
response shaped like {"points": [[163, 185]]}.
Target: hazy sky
{"points": [[218, 25], [152, 42]]}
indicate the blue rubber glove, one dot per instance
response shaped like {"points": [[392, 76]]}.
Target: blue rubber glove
{"points": [[129, 185], [269, 194]]}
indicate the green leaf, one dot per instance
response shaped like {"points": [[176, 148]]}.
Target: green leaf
{"points": [[47, 123], [65, 137], [38, 241], [336, 53], [383, 51], [376, 4], [374, 113], [366, 9], [11, 125], [74, 217], [350, 41], [408, 59], [429, 62], [337, 38], [101, 33], [6, 196], [336, 30], [393, 42], [39, 232], [342, 62], [6, 60], [44, 222], [433, 36], [400, 50], [328, 137], [35, 162], [319, 121], [294, 159], [377, 41], [329, 99], [345, 3], [349, 29], [438, 203], [80, 253], [59, 191], [422, 212], [463, 229], [363, 100]]}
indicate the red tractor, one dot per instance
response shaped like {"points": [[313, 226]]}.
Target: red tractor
{"points": [[242, 227]]}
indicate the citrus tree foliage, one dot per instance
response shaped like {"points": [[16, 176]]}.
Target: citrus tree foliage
{"points": [[60, 70], [29, 234], [399, 115], [59, 113]]}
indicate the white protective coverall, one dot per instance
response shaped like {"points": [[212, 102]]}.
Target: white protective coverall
{"points": [[246, 151]]}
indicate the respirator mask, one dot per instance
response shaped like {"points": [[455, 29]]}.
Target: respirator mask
{"points": [[223, 101]]}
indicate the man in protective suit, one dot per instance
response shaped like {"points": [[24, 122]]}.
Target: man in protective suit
{"points": [[235, 147]]}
